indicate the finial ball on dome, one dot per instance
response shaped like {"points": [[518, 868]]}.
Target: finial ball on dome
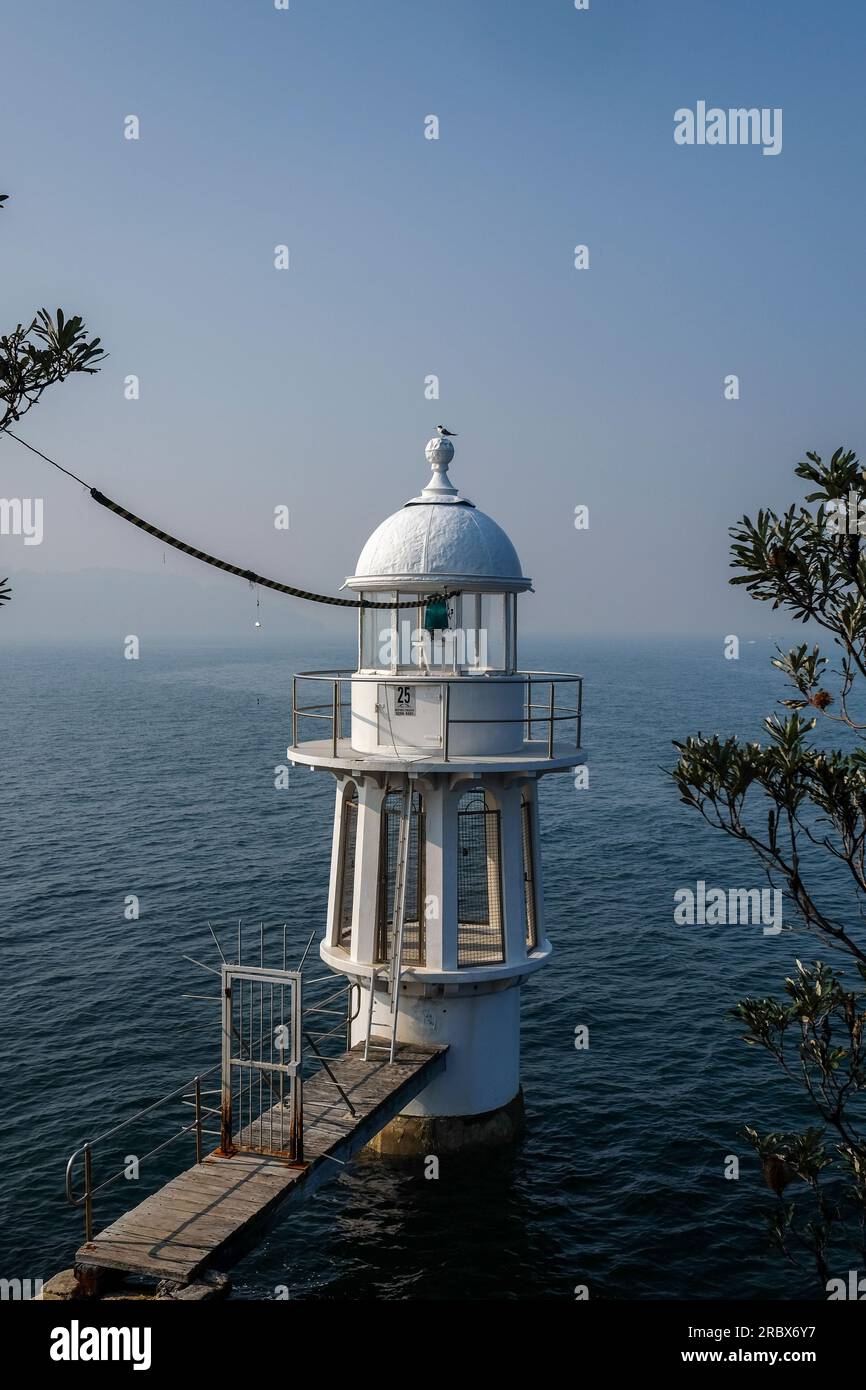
{"points": [[439, 453]]}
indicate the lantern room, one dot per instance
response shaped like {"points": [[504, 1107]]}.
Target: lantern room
{"points": [[449, 576], [438, 581]]}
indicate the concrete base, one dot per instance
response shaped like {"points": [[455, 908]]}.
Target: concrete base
{"points": [[413, 1136], [67, 1286], [61, 1287], [482, 1031]]}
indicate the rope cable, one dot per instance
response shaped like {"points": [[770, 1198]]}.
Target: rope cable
{"points": [[207, 559]]}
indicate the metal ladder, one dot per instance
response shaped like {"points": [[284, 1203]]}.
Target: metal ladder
{"points": [[394, 965]]}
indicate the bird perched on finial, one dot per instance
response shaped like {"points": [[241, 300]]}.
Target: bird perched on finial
{"points": [[446, 434]]}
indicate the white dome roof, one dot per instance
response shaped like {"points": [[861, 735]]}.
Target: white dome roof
{"points": [[439, 537]]}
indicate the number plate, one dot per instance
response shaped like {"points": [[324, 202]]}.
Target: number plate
{"points": [[404, 699]]}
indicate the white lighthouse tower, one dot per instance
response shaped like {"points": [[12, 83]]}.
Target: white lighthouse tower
{"points": [[437, 742]]}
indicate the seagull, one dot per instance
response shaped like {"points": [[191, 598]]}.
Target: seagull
{"points": [[446, 434]]}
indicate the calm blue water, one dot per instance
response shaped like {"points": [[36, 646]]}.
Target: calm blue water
{"points": [[156, 778]]}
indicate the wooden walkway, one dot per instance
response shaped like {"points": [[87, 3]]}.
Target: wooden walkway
{"points": [[216, 1212]]}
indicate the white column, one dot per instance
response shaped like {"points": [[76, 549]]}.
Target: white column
{"points": [[332, 935], [364, 905], [433, 797], [448, 880], [530, 791], [513, 901]]}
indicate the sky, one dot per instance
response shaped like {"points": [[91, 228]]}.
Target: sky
{"points": [[410, 257]]}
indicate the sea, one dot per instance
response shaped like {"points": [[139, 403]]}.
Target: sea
{"points": [[154, 780]]}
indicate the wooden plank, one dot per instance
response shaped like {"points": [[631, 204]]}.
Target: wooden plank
{"points": [[201, 1201], [214, 1213], [160, 1225]]}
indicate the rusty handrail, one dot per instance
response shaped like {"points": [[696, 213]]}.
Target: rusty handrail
{"points": [[86, 1149]]}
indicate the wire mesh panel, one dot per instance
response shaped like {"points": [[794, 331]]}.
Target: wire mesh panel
{"points": [[261, 1049], [480, 937], [413, 926], [347, 869], [528, 874]]}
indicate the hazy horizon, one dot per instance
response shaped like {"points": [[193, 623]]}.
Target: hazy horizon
{"points": [[411, 257], [101, 605]]}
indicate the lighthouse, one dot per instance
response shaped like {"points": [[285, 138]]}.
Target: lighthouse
{"points": [[437, 743]]}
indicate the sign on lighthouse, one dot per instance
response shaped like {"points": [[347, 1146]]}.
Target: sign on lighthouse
{"points": [[437, 742]]}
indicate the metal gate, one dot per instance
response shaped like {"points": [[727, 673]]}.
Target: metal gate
{"points": [[262, 1083]]}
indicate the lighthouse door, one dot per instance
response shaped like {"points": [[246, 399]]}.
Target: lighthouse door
{"points": [[262, 1106]]}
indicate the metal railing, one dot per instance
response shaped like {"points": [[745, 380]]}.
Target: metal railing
{"points": [[548, 711], [85, 1151], [314, 1039], [314, 1042]]}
